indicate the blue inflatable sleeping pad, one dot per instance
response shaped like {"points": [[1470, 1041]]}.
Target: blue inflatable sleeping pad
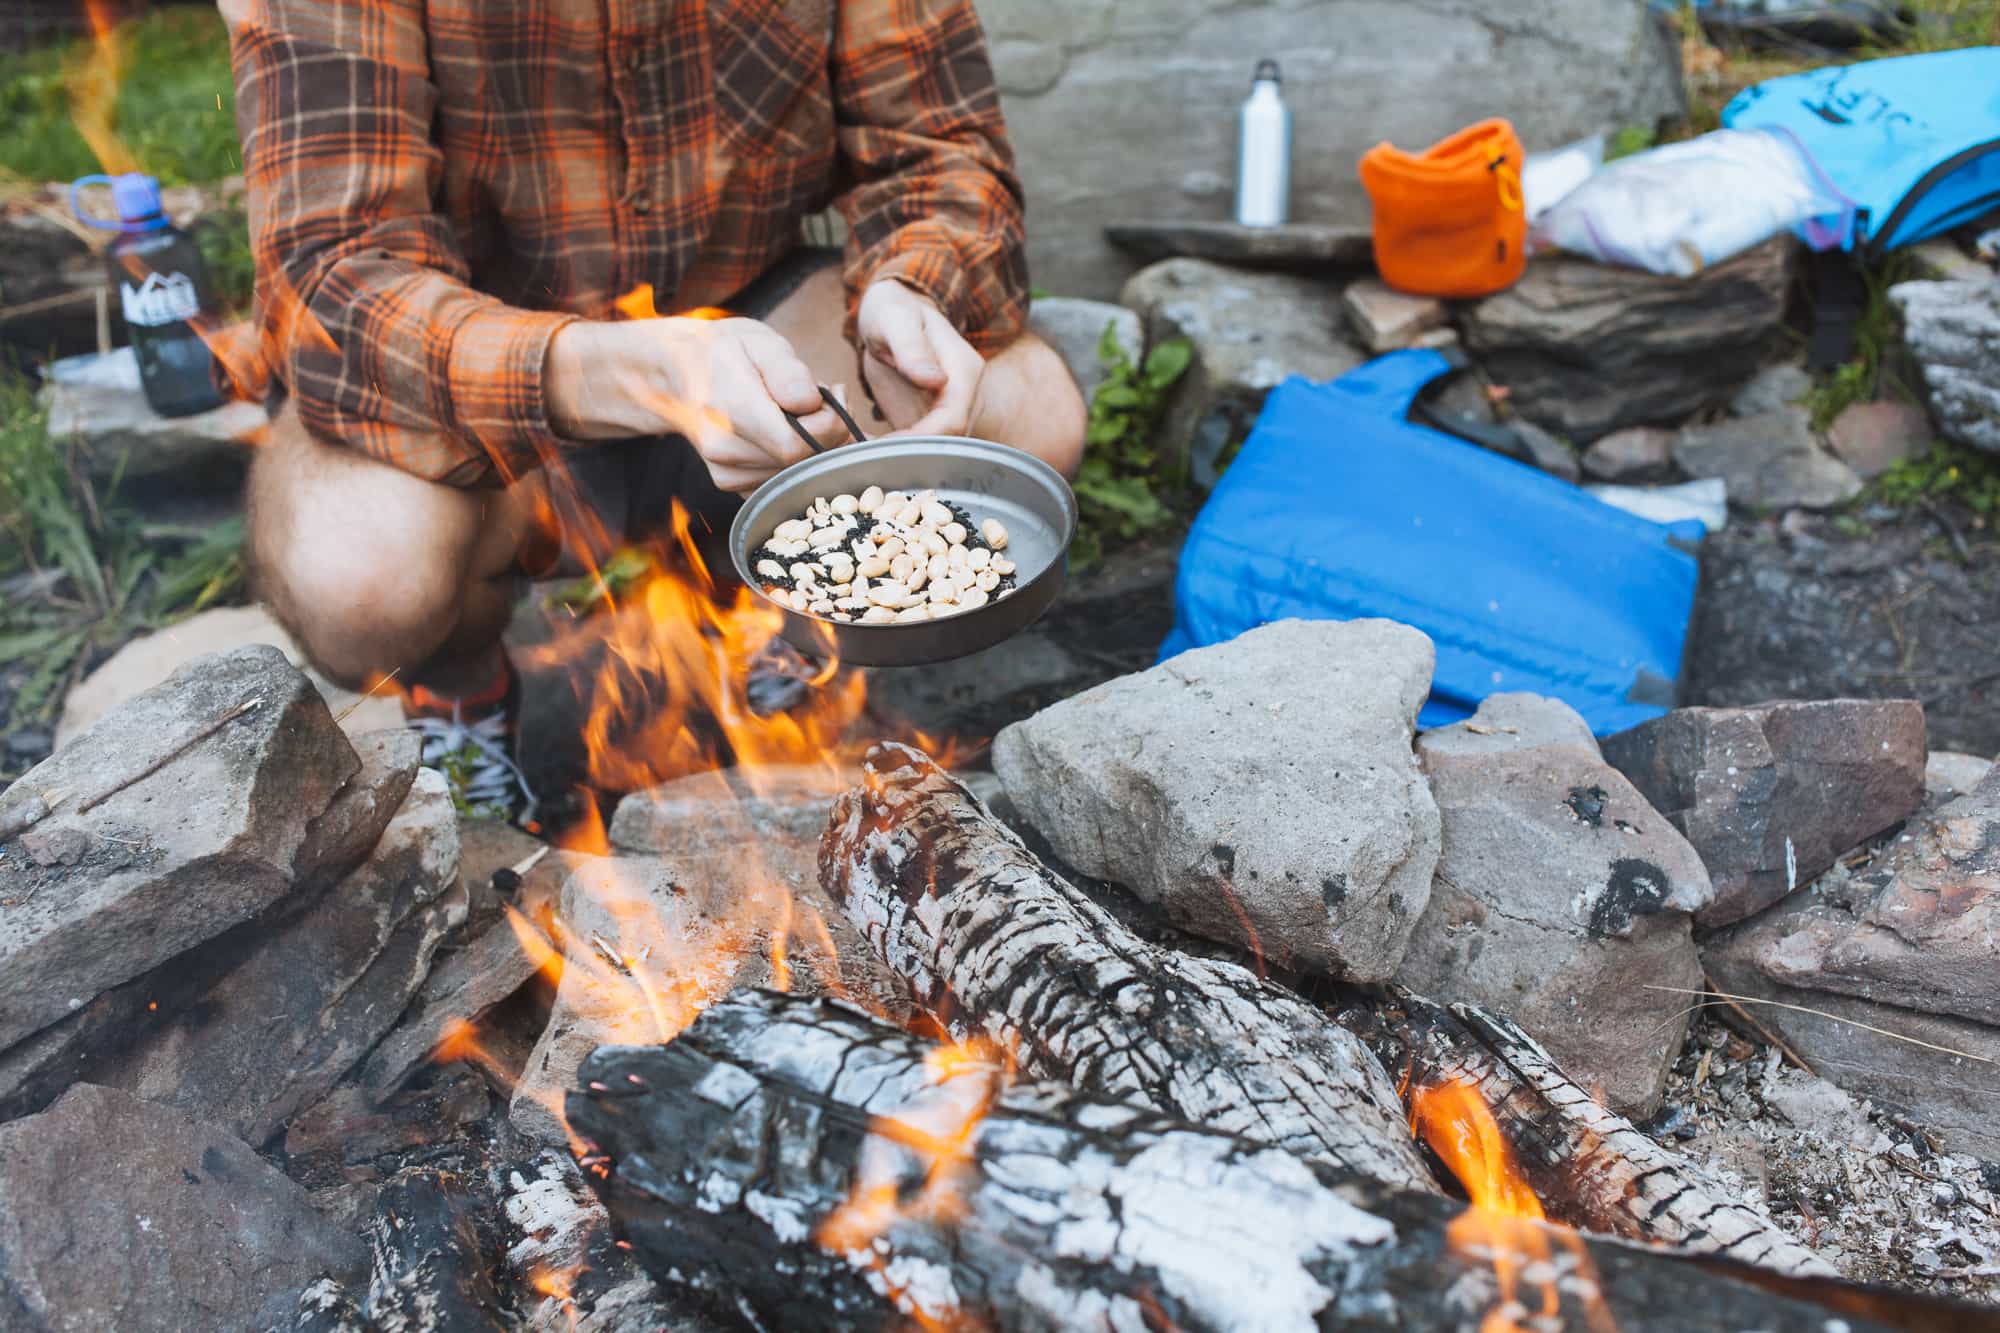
{"points": [[1339, 507]]}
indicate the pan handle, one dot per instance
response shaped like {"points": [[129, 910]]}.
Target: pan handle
{"points": [[826, 396]]}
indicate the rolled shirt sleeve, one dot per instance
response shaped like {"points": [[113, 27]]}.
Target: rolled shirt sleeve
{"points": [[363, 297], [931, 195]]}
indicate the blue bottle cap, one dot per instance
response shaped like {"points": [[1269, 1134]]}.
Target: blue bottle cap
{"points": [[137, 198]]}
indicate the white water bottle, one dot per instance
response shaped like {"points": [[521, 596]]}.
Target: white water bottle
{"points": [[1263, 151]]}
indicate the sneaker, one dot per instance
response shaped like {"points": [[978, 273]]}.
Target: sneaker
{"points": [[471, 741]]}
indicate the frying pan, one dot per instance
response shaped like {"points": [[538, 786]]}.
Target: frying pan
{"points": [[987, 480]]}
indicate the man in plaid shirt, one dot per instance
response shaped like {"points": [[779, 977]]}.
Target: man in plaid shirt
{"points": [[448, 197]]}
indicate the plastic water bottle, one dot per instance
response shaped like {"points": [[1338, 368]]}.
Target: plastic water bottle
{"points": [[163, 290], [1263, 151]]}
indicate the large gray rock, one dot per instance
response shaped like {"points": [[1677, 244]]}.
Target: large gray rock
{"points": [[1770, 461], [95, 1037], [1858, 1044], [96, 401], [1922, 921], [1950, 774], [1250, 331], [1561, 898], [1090, 86], [176, 857], [116, 1213], [1262, 791], [1953, 331], [1772, 389], [1772, 795], [1587, 348], [1075, 327], [317, 992]]}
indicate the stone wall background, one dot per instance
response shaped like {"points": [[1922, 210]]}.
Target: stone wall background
{"points": [[1126, 109]]}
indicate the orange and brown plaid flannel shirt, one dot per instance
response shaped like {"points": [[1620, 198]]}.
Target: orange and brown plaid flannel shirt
{"points": [[437, 186]]}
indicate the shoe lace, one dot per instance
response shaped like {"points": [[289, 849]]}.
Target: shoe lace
{"points": [[474, 757]]}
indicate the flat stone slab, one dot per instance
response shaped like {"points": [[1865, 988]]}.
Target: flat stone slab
{"points": [[1848, 1040], [151, 658], [117, 1213], [1307, 246], [171, 859]]}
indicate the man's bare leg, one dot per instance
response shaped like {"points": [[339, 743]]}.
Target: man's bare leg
{"points": [[373, 570]]}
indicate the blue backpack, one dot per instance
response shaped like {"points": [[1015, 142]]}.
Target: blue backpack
{"points": [[1339, 507], [1913, 142]]}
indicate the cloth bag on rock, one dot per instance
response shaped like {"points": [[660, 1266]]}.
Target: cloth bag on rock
{"points": [[1450, 221]]}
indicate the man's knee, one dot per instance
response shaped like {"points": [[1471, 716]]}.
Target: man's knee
{"points": [[366, 566], [1038, 399]]}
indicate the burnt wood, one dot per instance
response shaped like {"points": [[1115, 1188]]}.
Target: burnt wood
{"points": [[738, 1160], [1590, 1166], [988, 940]]}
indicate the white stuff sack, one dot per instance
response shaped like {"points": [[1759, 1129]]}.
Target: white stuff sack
{"points": [[1682, 207]]}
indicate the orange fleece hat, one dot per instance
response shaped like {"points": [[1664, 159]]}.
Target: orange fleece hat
{"points": [[1449, 221]]}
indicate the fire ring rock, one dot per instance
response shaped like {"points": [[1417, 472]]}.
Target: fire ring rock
{"points": [[209, 838], [1262, 791], [1772, 795], [1561, 899]]}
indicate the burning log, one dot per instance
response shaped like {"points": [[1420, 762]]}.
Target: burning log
{"points": [[989, 941], [1592, 1166], [807, 1166]]}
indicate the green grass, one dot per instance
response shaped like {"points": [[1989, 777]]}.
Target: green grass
{"points": [[1870, 372], [84, 575], [175, 68]]}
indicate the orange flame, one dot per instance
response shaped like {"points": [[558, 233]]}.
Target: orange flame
{"points": [[933, 1133], [1505, 1224], [93, 90]]}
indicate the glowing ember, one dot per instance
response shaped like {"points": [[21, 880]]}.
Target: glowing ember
{"points": [[914, 1163], [1505, 1225]]}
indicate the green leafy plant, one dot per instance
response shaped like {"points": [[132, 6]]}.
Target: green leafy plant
{"points": [[1123, 480], [1946, 472]]}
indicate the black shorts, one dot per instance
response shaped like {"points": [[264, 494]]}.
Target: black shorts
{"points": [[629, 487]]}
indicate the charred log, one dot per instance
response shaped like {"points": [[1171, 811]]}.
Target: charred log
{"points": [[808, 1166], [990, 941], [1590, 1165], [429, 1273]]}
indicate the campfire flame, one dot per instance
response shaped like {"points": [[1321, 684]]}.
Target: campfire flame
{"points": [[1505, 1225], [914, 1166]]}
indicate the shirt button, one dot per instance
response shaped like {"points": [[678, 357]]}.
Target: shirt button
{"points": [[642, 202], [635, 58]]}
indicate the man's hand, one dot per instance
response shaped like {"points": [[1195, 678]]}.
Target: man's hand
{"points": [[924, 374], [722, 383]]}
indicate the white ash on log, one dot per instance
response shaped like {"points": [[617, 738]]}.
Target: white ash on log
{"points": [[808, 1166], [427, 1273], [1588, 1164], [989, 940]]}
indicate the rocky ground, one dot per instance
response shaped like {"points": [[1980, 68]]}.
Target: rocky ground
{"points": [[1870, 1190]]}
